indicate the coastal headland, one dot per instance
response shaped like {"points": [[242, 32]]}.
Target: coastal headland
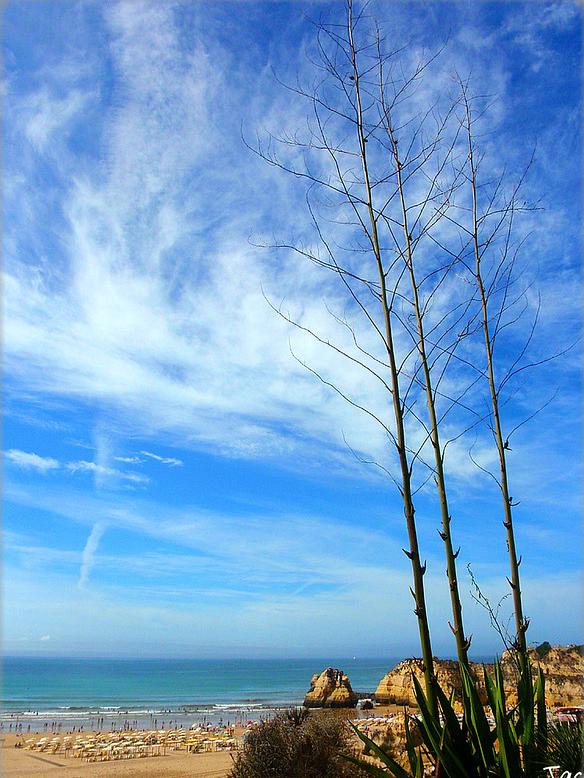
{"points": [[207, 750]]}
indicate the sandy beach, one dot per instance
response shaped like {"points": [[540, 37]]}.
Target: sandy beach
{"points": [[17, 763], [22, 763]]}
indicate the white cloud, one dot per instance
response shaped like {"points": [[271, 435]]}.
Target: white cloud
{"points": [[157, 315], [127, 618], [31, 461], [44, 638], [89, 552], [47, 115], [172, 461], [265, 547], [137, 266], [82, 466], [148, 309]]}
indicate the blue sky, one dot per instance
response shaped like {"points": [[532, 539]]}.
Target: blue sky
{"points": [[175, 483]]}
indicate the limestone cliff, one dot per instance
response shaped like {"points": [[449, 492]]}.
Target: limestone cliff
{"points": [[396, 686], [563, 668], [330, 689], [390, 734]]}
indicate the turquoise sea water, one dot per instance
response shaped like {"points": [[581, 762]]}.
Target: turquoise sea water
{"points": [[79, 690]]}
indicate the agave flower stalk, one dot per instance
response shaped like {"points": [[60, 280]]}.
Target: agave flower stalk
{"points": [[462, 642], [521, 623], [418, 569]]}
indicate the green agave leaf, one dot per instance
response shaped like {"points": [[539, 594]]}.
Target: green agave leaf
{"points": [[378, 772], [476, 720], [396, 769], [451, 720], [431, 728], [534, 736], [490, 687], [414, 758], [526, 707], [441, 745], [508, 753], [541, 711], [500, 687], [457, 739]]}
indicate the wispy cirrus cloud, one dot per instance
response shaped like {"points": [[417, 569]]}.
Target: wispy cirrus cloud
{"points": [[45, 115], [145, 250], [83, 466], [172, 461], [135, 297], [89, 551], [261, 574], [26, 460], [31, 461], [137, 460]]}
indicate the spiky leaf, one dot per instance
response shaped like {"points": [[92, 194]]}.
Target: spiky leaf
{"points": [[396, 769]]}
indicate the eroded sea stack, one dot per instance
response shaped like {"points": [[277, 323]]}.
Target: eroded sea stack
{"points": [[562, 666], [330, 689]]}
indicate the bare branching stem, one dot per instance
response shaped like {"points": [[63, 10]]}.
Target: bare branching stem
{"points": [[393, 230], [521, 623], [414, 554], [462, 642]]}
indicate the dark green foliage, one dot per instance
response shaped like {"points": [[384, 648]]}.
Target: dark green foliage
{"points": [[542, 649], [565, 746], [517, 745], [394, 768], [296, 744]]}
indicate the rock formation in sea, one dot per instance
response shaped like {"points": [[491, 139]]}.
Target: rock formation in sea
{"points": [[563, 668], [330, 689]]}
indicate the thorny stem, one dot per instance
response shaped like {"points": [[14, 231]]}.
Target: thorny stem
{"points": [[414, 555], [521, 623], [462, 643]]}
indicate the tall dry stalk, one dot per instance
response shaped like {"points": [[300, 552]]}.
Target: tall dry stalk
{"points": [[418, 570], [501, 442], [462, 642], [361, 172]]}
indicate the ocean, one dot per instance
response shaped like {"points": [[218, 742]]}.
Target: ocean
{"points": [[111, 693]]}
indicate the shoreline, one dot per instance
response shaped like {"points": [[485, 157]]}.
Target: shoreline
{"points": [[21, 759], [107, 720]]}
